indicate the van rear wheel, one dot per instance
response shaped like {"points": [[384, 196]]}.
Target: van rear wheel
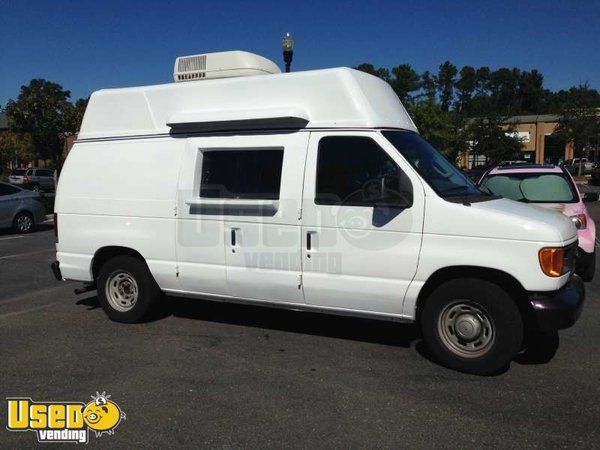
{"points": [[126, 289], [472, 325]]}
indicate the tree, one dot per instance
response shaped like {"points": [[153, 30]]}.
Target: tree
{"points": [[441, 128], [40, 110], [428, 86], [73, 115], [503, 87], [531, 92], [405, 80], [465, 86], [579, 121], [382, 72], [15, 148], [491, 137], [445, 81]]}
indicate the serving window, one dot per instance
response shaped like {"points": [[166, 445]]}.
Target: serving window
{"points": [[252, 174]]}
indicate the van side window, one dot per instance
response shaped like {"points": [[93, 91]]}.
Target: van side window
{"points": [[243, 174], [356, 171]]}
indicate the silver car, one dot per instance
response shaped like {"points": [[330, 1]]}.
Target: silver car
{"points": [[33, 178], [20, 209]]}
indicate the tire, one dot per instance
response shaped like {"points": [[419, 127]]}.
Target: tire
{"points": [[540, 347], [590, 270], [127, 290], [472, 326], [24, 222], [36, 188]]}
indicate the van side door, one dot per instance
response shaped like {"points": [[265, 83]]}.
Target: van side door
{"points": [[248, 187], [362, 223]]}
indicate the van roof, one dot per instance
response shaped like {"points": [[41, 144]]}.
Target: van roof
{"points": [[330, 98]]}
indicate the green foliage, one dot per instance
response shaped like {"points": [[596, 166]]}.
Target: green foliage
{"points": [[428, 86], [405, 81], [445, 80], [15, 147], [43, 111], [465, 86], [440, 105], [443, 129], [580, 119], [490, 137]]}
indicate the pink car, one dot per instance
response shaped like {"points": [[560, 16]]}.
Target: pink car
{"points": [[552, 187]]}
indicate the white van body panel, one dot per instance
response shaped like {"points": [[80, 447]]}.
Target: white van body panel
{"points": [[330, 98], [127, 201]]}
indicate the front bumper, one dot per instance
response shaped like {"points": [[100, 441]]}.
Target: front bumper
{"points": [[559, 309]]}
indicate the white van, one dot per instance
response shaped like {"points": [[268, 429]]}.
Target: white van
{"points": [[310, 191]]}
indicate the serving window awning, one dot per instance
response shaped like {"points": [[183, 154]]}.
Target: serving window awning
{"points": [[280, 117]]}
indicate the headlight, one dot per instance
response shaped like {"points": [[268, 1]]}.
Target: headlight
{"points": [[552, 261], [580, 221]]}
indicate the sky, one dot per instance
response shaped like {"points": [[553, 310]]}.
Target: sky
{"points": [[88, 45]]}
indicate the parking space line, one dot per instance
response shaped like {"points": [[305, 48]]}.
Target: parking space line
{"points": [[35, 294], [25, 311], [28, 253], [11, 237]]}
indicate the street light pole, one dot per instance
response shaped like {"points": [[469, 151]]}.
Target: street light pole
{"points": [[288, 50]]}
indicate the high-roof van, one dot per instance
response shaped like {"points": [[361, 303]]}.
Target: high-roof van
{"points": [[310, 191]]}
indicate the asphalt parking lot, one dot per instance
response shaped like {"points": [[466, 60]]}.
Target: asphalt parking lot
{"points": [[232, 376]]}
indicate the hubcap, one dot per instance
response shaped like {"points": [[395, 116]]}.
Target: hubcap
{"points": [[121, 291], [24, 223], [466, 329]]}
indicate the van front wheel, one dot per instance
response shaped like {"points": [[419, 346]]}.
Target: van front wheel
{"points": [[472, 325], [126, 289]]}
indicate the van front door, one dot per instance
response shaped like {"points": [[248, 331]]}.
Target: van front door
{"points": [[362, 222]]}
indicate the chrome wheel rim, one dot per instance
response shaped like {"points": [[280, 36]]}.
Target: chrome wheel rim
{"points": [[466, 329], [121, 291], [24, 223]]}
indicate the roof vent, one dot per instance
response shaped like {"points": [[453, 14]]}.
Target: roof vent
{"points": [[222, 65]]}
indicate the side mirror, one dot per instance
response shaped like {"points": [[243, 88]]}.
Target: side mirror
{"points": [[590, 197]]}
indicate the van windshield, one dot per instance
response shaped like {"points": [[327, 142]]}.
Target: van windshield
{"points": [[443, 176]]}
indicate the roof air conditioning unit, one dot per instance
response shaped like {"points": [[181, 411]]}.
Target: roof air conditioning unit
{"points": [[222, 65]]}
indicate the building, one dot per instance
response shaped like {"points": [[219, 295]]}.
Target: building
{"points": [[539, 143]]}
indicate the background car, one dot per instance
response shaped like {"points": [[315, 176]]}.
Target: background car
{"points": [[476, 172], [20, 209], [33, 178], [595, 177], [551, 187], [512, 163], [572, 166]]}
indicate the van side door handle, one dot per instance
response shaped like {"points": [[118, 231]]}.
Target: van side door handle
{"points": [[233, 237], [309, 242]]}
